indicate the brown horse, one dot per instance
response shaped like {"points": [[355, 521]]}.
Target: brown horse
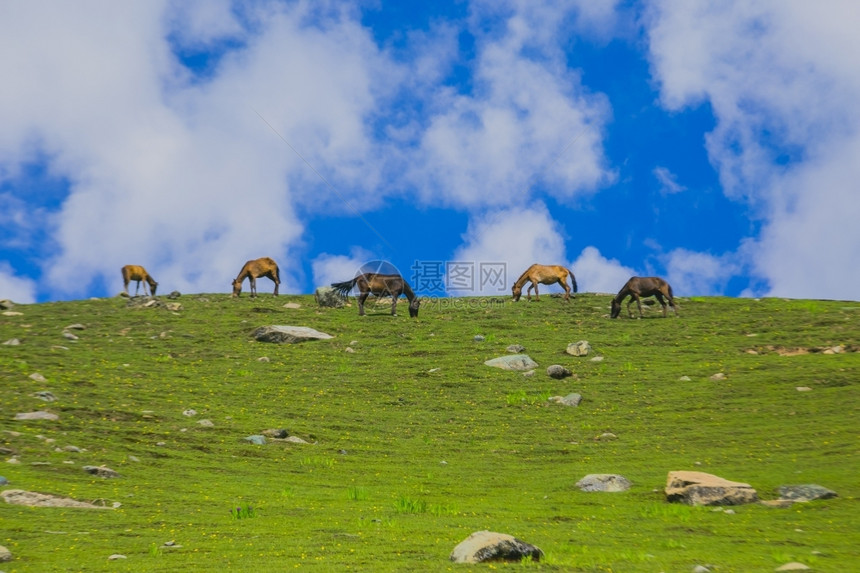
{"points": [[255, 269], [137, 273], [380, 285], [638, 287], [545, 275]]}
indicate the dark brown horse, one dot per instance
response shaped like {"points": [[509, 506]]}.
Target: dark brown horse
{"points": [[264, 267], [638, 287], [380, 285], [545, 275], [137, 273]]}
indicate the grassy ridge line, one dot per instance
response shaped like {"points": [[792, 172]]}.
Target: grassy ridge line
{"points": [[508, 466]]}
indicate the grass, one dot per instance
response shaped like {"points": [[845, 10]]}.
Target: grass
{"points": [[429, 444]]}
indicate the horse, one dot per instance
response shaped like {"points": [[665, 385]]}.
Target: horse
{"points": [[545, 275], [137, 273], [643, 286], [379, 285], [264, 267]]}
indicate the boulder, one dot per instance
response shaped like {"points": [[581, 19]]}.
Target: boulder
{"points": [[483, 546], [35, 499], [572, 399], [805, 492], [101, 471], [581, 348], [604, 482], [5, 554], [699, 488], [557, 371], [519, 362], [288, 334], [328, 297]]}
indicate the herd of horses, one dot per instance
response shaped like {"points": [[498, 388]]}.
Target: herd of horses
{"points": [[395, 285]]}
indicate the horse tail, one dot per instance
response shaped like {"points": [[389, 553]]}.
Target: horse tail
{"points": [[573, 280], [344, 287]]}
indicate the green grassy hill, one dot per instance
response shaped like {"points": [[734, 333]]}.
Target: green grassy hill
{"points": [[415, 444]]}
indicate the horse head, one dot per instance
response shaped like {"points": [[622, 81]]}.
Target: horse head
{"points": [[517, 291], [413, 307], [152, 286], [616, 309], [237, 288]]}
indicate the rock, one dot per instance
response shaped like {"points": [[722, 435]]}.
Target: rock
{"points": [[515, 348], [528, 373], [777, 503], [5, 554], [581, 348], [174, 295], [684, 379], [256, 439], [37, 377], [189, 412], [572, 399], [604, 482], [557, 371], [69, 336], [701, 569], [803, 389], [173, 306], [805, 492], [519, 362], [793, 566], [699, 488], [328, 297], [6, 304], [206, 423], [606, 436], [718, 376], [40, 415], [35, 499], [116, 556], [484, 546], [295, 440], [4, 481], [76, 326], [288, 334], [597, 359], [72, 449], [278, 433], [12, 313], [45, 395], [263, 359], [12, 342], [101, 471], [293, 305]]}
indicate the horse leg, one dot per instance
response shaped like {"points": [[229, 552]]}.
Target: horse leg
{"points": [[272, 276], [537, 296], [361, 298], [566, 288], [137, 289], [662, 302], [394, 304]]}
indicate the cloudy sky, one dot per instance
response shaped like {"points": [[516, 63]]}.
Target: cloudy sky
{"points": [[716, 144]]}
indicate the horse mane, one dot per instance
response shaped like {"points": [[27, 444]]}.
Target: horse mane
{"points": [[524, 278], [407, 290]]}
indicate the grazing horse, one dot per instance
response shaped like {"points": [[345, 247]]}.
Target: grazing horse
{"points": [[373, 283], [643, 286], [545, 275], [137, 273], [255, 269]]}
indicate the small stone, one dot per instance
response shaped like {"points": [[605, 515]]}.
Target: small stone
{"points": [[793, 566], [256, 439], [70, 336], [4, 481], [478, 338], [5, 554], [37, 377], [684, 379], [76, 326], [41, 415], [581, 348], [263, 359], [515, 348], [116, 556], [803, 389], [596, 359], [349, 350], [45, 395], [12, 342], [529, 374], [12, 313], [718, 376], [293, 305], [101, 471], [73, 449], [557, 371], [206, 423], [295, 440], [277, 433], [701, 569], [190, 412], [605, 436]]}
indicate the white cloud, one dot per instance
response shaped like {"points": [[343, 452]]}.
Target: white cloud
{"points": [[15, 288], [700, 274], [328, 268], [782, 81], [596, 273], [517, 238], [527, 121], [668, 181], [185, 178]]}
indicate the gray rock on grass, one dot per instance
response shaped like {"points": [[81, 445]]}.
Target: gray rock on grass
{"points": [[518, 362], [488, 546], [558, 371], [699, 488], [604, 482], [280, 334]]}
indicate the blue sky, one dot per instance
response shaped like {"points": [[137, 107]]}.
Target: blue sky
{"points": [[712, 143]]}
